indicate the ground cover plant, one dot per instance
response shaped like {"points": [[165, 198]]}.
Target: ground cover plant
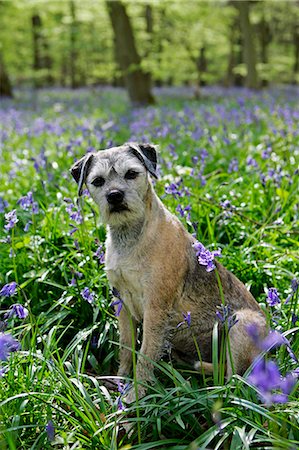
{"points": [[229, 169]]}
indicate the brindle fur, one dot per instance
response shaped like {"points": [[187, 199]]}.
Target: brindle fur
{"points": [[151, 262]]}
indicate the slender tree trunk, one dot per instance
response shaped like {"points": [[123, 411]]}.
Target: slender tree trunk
{"points": [[265, 39], [296, 54], [136, 80], [41, 56], [249, 53], [73, 46], [235, 57], [5, 85]]}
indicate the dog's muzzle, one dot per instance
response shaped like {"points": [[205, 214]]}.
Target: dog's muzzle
{"points": [[115, 200]]}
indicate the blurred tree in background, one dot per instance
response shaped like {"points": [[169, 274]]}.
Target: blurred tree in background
{"points": [[139, 45]]}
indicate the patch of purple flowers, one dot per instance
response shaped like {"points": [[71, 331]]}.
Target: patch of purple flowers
{"points": [[100, 254], [74, 213], [87, 295], [17, 310], [50, 430], [8, 290], [11, 220], [28, 203], [3, 205], [118, 302], [177, 189], [273, 297], [184, 211], [225, 316], [272, 387], [205, 257], [187, 320], [233, 166], [7, 345]]}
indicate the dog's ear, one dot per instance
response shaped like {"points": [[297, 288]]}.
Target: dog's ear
{"points": [[80, 170], [147, 154]]}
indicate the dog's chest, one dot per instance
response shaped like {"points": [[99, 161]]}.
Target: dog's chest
{"points": [[123, 273]]}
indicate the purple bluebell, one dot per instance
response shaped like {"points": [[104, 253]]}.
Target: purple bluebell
{"points": [[8, 290], [100, 254], [274, 339], [3, 205], [205, 257], [233, 166], [119, 302], [74, 213], [273, 297], [27, 225], [294, 284], [251, 162], [17, 310], [272, 387], [87, 295], [266, 153], [184, 211], [7, 345], [122, 389], [11, 219], [187, 320], [225, 316], [72, 230], [50, 430]]}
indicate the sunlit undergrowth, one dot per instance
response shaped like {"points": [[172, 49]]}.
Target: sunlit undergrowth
{"points": [[229, 169]]}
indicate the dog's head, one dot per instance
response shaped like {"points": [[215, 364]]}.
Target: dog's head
{"points": [[118, 180]]}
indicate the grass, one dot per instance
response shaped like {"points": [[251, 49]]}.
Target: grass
{"points": [[233, 145]]}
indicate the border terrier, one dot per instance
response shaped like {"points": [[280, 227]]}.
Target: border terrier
{"points": [[151, 262]]}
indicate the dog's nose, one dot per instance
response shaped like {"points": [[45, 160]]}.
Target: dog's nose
{"points": [[115, 197]]}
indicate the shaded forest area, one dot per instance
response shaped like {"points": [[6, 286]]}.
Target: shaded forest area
{"points": [[143, 44]]}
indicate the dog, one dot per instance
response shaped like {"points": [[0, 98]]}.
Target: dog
{"points": [[152, 263]]}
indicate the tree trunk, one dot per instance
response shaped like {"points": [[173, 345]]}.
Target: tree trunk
{"points": [[5, 86], [249, 53], [73, 46], [41, 56], [265, 39], [296, 53], [136, 80], [235, 57]]}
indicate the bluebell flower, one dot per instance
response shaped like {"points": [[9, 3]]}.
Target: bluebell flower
{"points": [[274, 339], [74, 213], [87, 295], [8, 290], [27, 225], [118, 302], [225, 316], [28, 203], [205, 257], [3, 205], [11, 219], [7, 345], [17, 310], [187, 320], [122, 389], [273, 297], [272, 387], [100, 254], [233, 166], [295, 284], [50, 429]]}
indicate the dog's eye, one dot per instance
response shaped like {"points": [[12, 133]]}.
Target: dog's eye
{"points": [[99, 181], [131, 175]]}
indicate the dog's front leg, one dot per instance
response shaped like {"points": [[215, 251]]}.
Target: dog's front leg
{"points": [[127, 331], [154, 334]]}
